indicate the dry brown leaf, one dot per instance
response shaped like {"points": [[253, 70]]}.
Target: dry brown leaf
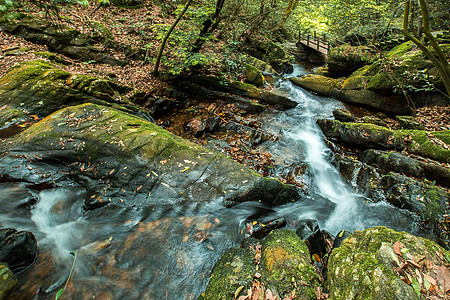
{"points": [[430, 279], [406, 279], [269, 295], [443, 277], [397, 247], [413, 263]]}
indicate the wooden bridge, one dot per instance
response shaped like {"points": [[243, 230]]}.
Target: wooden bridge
{"points": [[313, 41]]}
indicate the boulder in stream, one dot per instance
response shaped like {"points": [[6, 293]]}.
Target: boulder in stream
{"points": [[101, 143], [380, 263], [434, 145], [17, 248], [281, 265]]}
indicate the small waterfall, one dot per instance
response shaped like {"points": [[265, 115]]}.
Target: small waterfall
{"points": [[60, 222]]}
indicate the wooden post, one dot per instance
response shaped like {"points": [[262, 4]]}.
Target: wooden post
{"points": [[324, 37], [314, 34], [307, 40]]}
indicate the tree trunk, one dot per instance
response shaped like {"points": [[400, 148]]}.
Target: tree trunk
{"points": [[166, 37], [291, 6], [206, 26], [439, 60]]}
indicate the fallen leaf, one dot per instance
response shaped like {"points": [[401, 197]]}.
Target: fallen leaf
{"points": [[419, 277], [430, 279], [397, 248], [443, 277], [413, 263], [238, 290]]}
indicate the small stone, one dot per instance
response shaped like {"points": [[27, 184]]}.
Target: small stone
{"points": [[195, 126]]}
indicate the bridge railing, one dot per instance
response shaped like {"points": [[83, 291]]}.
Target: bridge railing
{"points": [[314, 41]]}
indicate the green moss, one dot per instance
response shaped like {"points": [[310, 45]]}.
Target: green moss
{"points": [[355, 83], [234, 269], [400, 49], [366, 257], [422, 144], [12, 16], [287, 266], [52, 57], [23, 73], [381, 81]]}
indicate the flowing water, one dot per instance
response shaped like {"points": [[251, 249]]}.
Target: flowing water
{"points": [[166, 251]]}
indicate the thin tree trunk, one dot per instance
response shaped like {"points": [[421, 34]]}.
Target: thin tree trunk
{"points": [[291, 6], [166, 37], [440, 61], [206, 27]]}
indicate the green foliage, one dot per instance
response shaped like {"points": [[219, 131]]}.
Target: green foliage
{"points": [[5, 4]]}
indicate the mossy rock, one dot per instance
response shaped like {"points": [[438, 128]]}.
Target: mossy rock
{"points": [[254, 76], [401, 49], [345, 59], [269, 52], [364, 266], [108, 138], [261, 65], [287, 267], [102, 30], [7, 280], [234, 271], [52, 57], [320, 84], [244, 89], [37, 87], [432, 145]]}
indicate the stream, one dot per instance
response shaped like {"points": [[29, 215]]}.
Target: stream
{"points": [[167, 251]]}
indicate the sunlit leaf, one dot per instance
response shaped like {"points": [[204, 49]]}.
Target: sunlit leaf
{"points": [[59, 293]]}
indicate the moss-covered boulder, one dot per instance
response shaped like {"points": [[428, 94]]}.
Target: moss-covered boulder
{"points": [[246, 90], [39, 88], [320, 84], [268, 51], [62, 39], [433, 145], [109, 140], [261, 65], [233, 272], [401, 163], [7, 280], [380, 263], [345, 59], [254, 76], [287, 267], [281, 264]]}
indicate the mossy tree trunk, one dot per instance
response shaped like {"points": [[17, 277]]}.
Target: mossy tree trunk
{"points": [[439, 59], [166, 37], [289, 9], [208, 26]]}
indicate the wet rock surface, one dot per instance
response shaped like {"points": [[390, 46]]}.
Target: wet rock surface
{"points": [[17, 249]]}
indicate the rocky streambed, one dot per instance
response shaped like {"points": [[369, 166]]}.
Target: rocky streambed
{"points": [[141, 213]]}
